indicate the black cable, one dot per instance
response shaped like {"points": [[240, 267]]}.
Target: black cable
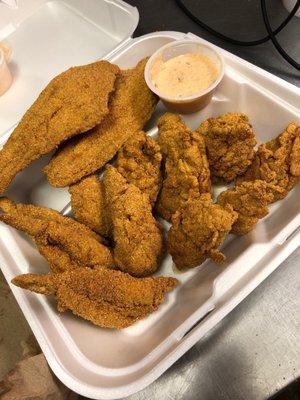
{"points": [[280, 50], [270, 36]]}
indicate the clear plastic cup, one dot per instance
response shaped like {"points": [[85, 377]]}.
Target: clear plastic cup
{"points": [[5, 74], [197, 101]]}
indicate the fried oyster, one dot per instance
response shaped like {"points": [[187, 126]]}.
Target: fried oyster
{"points": [[73, 102], [187, 172], [197, 230], [63, 242], [277, 162], [250, 200], [139, 162], [107, 298], [137, 235], [230, 143]]}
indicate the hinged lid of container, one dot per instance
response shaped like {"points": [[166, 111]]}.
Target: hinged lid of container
{"points": [[49, 36]]}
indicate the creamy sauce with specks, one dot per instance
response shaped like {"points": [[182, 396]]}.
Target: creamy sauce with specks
{"points": [[183, 75]]}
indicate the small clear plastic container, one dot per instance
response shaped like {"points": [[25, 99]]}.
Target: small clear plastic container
{"points": [[197, 101], [5, 74]]}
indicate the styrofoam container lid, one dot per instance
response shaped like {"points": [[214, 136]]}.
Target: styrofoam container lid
{"points": [[49, 36]]}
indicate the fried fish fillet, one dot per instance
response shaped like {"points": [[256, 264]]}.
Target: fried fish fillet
{"points": [[278, 162], [229, 143], [73, 102], [65, 243], [139, 162], [137, 235], [198, 229], [250, 200], [107, 298], [88, 204], [132, 105], [186, 167]]}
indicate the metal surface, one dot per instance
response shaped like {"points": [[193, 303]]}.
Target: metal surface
{"points": [[255, 351]]}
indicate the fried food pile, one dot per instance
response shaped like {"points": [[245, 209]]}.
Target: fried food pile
{"points": [[100, 260]]}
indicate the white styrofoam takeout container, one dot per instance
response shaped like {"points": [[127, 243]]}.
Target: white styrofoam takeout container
{"points": [[108, 364]]}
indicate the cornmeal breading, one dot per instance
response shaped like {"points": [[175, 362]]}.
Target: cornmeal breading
{"points": [[107, 298], [139, 162], [88, 204], [65, 243], [250, 200], [198, 229], [73, 102], [131, 106], [187, 172], [229, 143], [278, 162], [137, 235]]}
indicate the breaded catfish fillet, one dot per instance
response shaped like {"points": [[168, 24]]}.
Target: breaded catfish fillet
{"points": [[107, 298], [88, 204], [132, 105], [139, 162], [229, 143], [198, 229], [137, 235], [186, 167], [73, 102], [250, 200], [278, 162], [65, 243]]}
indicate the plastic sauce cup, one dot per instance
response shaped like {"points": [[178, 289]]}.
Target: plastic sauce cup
{"points": [[197, 101], [5, 74]]}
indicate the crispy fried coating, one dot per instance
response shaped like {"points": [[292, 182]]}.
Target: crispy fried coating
{"points": [[137, 235], [230, 145], [88, 204], [198, 229], [73, 102], [65, 243], [132, 105], [107, 298], [139, 162], [250, 200], [187, 172], [278, 162]]}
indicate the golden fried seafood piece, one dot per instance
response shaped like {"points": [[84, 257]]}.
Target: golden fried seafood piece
{"points": [[107, 298], [187, 172], [137, 235], [230, 142], [250, 200], [73, 102], [139, 162], [131, 107], [88, 204], [277, 162], [65, 243], [198, 229]]}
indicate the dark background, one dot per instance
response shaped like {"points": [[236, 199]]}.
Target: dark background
{"points": [[239, 19]]}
